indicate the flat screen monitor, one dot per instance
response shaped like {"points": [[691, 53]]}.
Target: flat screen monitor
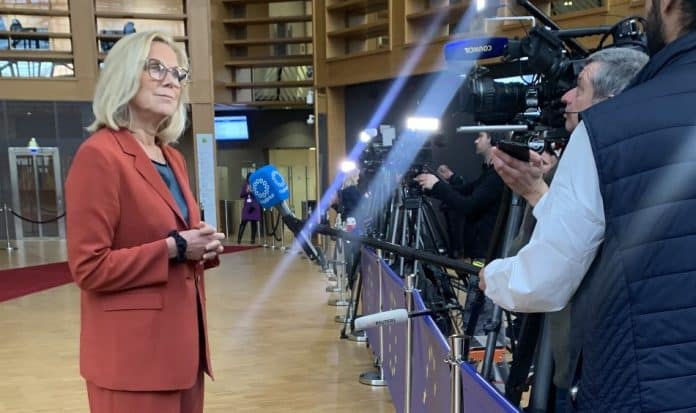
{"points": [[231, 128]]}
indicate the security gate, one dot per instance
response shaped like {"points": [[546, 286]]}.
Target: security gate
{"points": [[37, 193]]}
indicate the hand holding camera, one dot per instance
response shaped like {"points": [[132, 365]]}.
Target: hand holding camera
{"points": [[426, 181], [523, 177]]}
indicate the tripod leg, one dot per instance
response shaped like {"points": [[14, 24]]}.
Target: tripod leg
{"points": [[404, 238], [523, 357], [543, 371], [511, 227], [352, 309]]}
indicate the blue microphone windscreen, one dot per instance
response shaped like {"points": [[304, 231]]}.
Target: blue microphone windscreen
{"points": [[269, 186]]}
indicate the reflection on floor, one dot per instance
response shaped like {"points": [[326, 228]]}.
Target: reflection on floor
{"points": [[274, 341]]}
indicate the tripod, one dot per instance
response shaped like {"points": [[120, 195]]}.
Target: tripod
{"points": [[533, 333], [414, 224]]}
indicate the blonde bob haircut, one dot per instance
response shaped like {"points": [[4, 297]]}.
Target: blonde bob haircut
{"points": [[119, 82], [351, 178]]}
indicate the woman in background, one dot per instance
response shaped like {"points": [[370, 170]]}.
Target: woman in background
{"points": [[251, 211]]}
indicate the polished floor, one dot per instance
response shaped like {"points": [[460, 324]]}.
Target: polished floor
{"points": [[274, 341]]}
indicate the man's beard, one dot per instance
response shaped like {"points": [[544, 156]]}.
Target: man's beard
{"points": [[654, 30]]}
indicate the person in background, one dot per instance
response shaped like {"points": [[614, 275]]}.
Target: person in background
{"points": [[251, 211], [455, 223], [476, 202], [136, 245], [350, 194]]}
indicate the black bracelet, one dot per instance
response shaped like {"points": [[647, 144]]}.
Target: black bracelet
{"points": [[181, 245]]}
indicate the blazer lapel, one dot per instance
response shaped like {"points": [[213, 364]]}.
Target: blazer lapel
{"points": [[144, 166]]}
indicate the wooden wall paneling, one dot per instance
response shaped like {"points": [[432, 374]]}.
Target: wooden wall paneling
{"points": [[220, 32], [380, 65], [201, 93], [320, 44], [200, 50], [336, 121]]}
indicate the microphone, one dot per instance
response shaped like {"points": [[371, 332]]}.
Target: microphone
{"points": [[385, 318], [391, 317], [271, 190]]}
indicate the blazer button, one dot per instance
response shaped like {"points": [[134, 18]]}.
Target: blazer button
{"points": [[573, 393]]}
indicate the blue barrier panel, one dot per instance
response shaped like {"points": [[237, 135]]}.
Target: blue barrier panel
{"points": [[431, 375], [479, 395], [370, 294], [394, 337]]}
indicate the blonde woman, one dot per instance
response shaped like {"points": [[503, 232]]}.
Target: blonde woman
{"points": [[350, 194], [136, 245]]}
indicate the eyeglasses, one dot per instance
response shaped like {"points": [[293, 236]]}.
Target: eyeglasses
{"points": [[158, 71]]}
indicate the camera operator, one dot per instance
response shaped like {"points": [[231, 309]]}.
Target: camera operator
{"points": [[607, 73], [625, 184], [455, 223], [477, 201]]}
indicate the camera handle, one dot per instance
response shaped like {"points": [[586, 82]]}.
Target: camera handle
{"points": [[492, 128]]}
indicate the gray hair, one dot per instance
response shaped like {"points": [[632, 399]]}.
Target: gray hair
{"points": [[119, 82], [615, 69]]}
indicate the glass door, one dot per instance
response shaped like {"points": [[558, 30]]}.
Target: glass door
{"points": [[37, 193]]}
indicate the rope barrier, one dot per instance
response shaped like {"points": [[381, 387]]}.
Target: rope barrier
{"points": [[270, 228], [48, 221]]}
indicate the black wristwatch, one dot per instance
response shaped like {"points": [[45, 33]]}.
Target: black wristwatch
{"points": [[180, 246]]}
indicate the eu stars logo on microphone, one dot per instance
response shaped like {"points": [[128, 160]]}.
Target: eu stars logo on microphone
{"points": [[269, 186]]}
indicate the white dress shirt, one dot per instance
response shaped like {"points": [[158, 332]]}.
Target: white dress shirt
{"points": [[544, 275]]}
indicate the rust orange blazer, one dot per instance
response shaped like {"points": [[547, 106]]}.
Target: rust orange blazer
{"points": [[139, 316]]}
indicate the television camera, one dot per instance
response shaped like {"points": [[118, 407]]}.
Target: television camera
{"points": [[550, 58]]}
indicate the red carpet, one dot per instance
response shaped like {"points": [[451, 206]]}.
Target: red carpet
{"points": [[22, 281]]}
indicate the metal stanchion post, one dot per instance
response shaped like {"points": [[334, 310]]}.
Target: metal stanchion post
{"points": [[459, 348], [325, 246], [8, 246], [226, 203], [273, 236], [264, 227], [331, 275], [370, 377], [282, 236], [410, 288], [340, 278]]}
